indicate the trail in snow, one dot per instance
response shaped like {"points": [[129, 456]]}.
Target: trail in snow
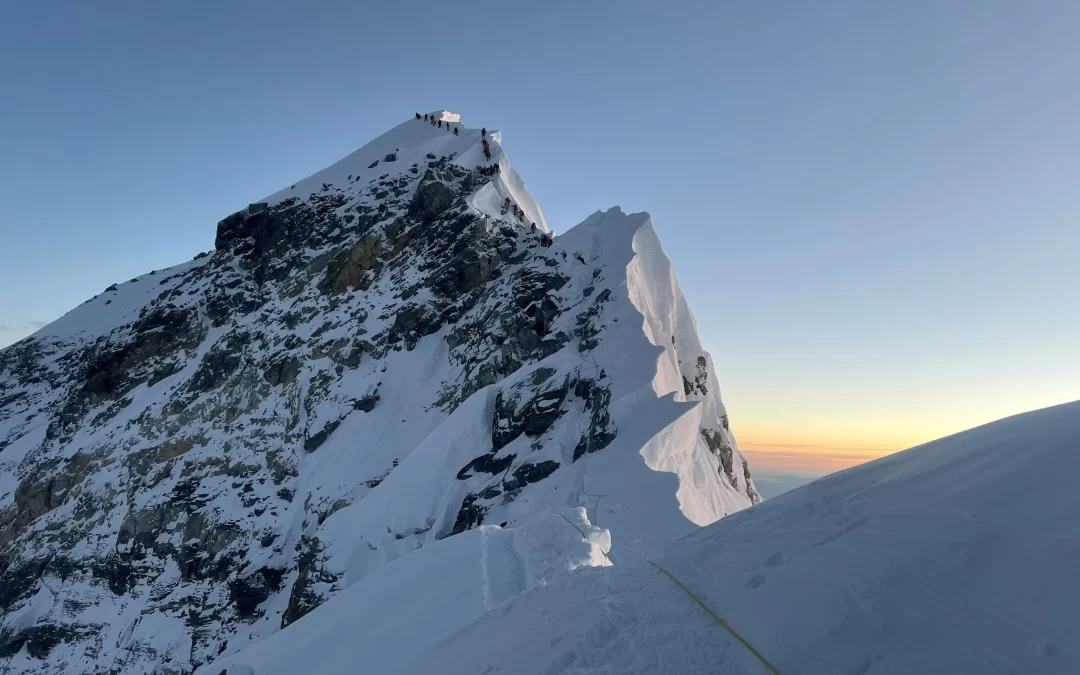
{"points": [[503, 569]]}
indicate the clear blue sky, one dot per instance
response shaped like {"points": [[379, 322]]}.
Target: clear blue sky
{"points": [[874, 208]]}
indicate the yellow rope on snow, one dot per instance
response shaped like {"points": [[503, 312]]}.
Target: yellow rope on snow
{"points": [[717, 619], [723, 624]]}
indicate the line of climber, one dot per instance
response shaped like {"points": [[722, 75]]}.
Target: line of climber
{"points": [[437, 123], [483, 139], [518, 211], [546, 239]]}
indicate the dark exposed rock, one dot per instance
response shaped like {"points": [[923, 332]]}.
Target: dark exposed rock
{"points": [[271, 242], [588, 328], [723, 451], [701, 378], [282, 372], [470, 515], [252, 590], [367, 403], [202, 475], [219, 363], [530, 473], [40, 639], [141, 462], [432, 198], [303, 597], [533, 418], [413, 318], [312, 443], [351, 269], [755, 498], [47, 489], [114, 370], [601, 430], [486, 464]]}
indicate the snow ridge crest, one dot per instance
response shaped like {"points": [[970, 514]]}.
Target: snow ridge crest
{"points": [[381, 359]]}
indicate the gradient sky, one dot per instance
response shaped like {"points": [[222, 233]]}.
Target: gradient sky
{"points": [[873, 208]]}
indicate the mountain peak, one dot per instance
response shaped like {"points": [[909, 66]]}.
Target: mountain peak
{"points": [[445, 116], [387, 354]]}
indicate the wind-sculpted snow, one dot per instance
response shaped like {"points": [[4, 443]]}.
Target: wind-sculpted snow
{"points": [[958, 556], [377, 358]]}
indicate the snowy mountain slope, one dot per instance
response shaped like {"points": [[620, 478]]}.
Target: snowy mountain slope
{"points": [[402, 606], [958, 556], [374, 360]]}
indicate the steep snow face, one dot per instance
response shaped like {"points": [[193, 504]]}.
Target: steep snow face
{"points": [[372, 365]]}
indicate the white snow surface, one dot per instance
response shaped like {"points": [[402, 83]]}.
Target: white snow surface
{"points": [[415, 600], [637, 452], [958, 556], [412, 141]]}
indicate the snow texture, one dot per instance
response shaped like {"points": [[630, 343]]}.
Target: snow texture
{"points": [[381, 378], [958, 556]]}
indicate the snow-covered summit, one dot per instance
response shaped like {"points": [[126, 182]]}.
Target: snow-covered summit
{"points": [[385, 357], [409, 144]]}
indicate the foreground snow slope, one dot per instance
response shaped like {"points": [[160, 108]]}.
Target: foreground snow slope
{"points": [[958, 556], [385, 617], [373, 361]]}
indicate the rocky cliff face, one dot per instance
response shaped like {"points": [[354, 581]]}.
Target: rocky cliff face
{"points": [[377, 357]]}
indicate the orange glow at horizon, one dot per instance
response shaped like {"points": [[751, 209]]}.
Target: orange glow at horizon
{"points": [[781, 450], [806, 459]]}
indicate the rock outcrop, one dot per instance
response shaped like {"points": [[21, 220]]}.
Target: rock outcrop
{"points": [[175, 474]]}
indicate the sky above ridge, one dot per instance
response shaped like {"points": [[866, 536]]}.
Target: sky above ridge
{"points": [[872, 207]]}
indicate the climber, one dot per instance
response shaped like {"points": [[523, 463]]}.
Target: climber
{"points": [[483, 133], [495, 168], [455, 131], [417, 115], [440, 124], [506, 203], [425, 117]]}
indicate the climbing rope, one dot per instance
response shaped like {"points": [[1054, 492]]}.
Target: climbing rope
{"points": [[723, 624]]}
